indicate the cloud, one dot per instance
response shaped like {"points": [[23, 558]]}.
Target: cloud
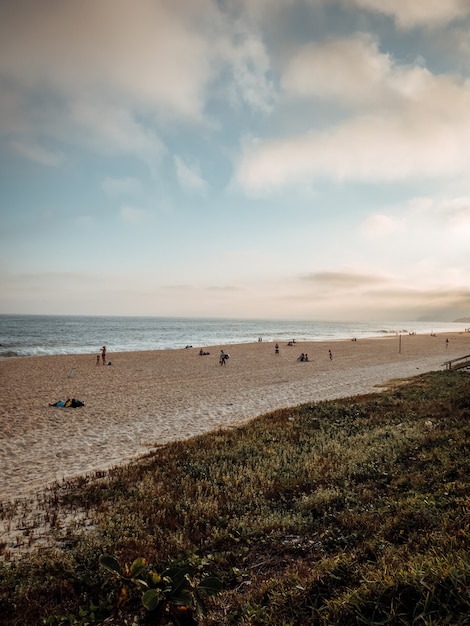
{"points": [[189, 175], [344, 279], [112, 131], [368, 148], [104, 75], [37, 153], [412, 13], [381, 296], [411, 123], [250, 67], [450, 217], [370, 78], [380, 226], [88, 46], [319, 70], [111, 78]]}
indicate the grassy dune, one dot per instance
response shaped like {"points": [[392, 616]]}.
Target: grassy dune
{"points": [[344, 512]]}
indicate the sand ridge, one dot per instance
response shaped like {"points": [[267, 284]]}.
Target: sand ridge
{"points": [[146, 399]]}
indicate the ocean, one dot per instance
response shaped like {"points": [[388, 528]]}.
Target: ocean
{"points": [[28, 335]]}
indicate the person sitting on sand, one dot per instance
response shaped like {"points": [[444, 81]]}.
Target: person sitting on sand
{"points": [[301, 357], [68, 403]]}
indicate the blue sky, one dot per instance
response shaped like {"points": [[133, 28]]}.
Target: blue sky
{"points": [[279, 158]]}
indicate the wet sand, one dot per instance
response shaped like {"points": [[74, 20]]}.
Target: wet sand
{"points": [[146, 399]]}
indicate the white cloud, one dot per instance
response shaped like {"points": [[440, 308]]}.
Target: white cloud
{"points": [[189, 175], [112, 130], [380, 226], [449, 216], [369, 79], [411, 13], [250, 67], [368, 148], [319, 70], [411, 124]]}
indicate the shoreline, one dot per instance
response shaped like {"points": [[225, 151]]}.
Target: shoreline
{"points": [[147, 399]]}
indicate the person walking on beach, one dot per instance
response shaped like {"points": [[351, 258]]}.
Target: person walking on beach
{"points": [[103, 355], [330, 355], [223, 357], [276, 349]]}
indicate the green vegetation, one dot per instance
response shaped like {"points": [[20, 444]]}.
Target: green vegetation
{"points": [[354, 511]]}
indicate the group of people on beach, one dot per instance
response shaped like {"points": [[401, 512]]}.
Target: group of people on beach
{"points": [[303, 357], [103, 356], [223, 358]]}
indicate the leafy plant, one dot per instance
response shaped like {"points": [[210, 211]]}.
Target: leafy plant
{"points": [[176, 593]]}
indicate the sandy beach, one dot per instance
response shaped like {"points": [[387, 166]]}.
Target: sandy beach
{"points": [[146, 399]]}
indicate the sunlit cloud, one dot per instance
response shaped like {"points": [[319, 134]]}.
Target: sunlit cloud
{"points": [[409, 14], [380, 226], [318, 70], [388, 143]]}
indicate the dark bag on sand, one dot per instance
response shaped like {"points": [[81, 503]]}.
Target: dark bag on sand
{"points": [[76, 403]]}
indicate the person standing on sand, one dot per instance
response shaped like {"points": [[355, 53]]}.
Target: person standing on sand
{"points": [[330, 355], [97, 359], [103, 354], [276, 349]]}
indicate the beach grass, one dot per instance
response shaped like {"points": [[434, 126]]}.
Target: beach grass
{"points": [[352, 511]]}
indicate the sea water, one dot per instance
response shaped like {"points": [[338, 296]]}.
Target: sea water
{"points": [[27, 335]]}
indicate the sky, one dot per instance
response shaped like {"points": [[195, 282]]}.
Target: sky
{"points": [[284, 159]]}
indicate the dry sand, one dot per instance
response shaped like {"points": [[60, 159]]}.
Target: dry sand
{"points": [[146, 399]]}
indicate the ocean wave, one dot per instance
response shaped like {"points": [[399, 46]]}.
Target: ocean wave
{"points": [[6, 354], [394, 331]]}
